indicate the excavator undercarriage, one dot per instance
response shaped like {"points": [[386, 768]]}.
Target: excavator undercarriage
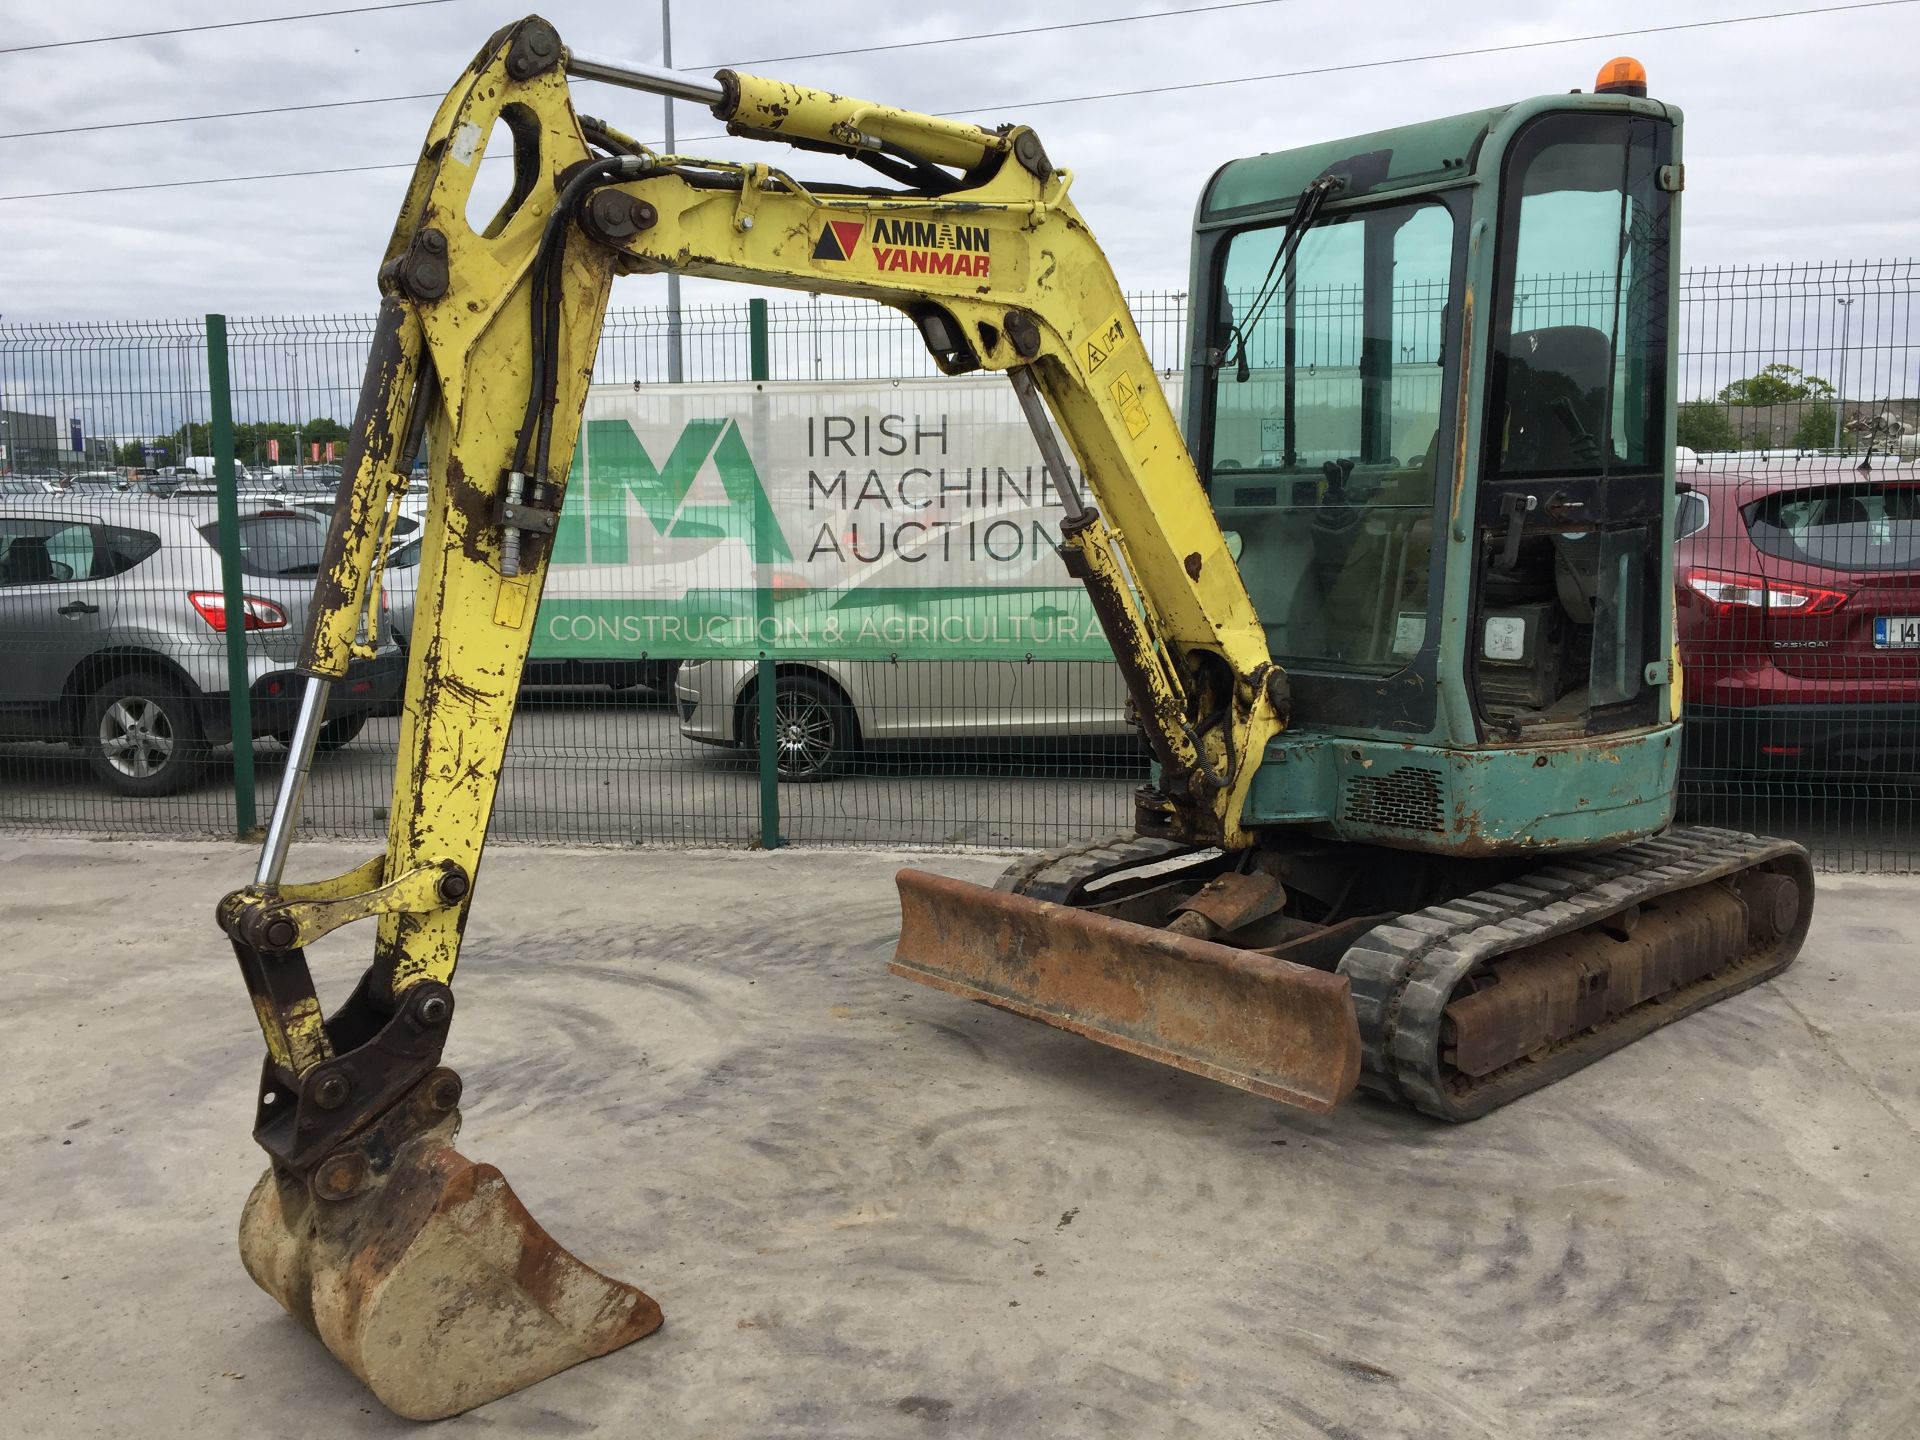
{"points": [[1298, 972]]}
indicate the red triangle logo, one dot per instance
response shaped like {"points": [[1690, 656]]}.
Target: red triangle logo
{"points": [[848, 234]]}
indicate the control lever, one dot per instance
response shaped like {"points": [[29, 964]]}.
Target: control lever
{"points": [[1513, 509]]}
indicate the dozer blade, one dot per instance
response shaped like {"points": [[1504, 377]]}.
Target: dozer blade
{"points": [[433, 1284], [1270, 1026]]}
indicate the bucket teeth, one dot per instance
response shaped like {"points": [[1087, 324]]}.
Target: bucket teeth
{"points": [[1275, 1028], [433, 1284]]}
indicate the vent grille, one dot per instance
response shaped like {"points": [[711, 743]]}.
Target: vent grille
{"points": [[1403, 799]]}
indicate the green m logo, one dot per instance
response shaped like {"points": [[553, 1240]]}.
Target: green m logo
{"points": [[617, 466]]}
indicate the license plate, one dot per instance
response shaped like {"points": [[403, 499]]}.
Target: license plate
{"points": [[1896, 632]]}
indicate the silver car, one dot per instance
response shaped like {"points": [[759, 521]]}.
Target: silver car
{"points": [[113, 620], [826, 711]]}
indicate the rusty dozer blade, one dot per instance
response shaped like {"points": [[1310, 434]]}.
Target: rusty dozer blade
{"points": [[431, 1282], [1279, 1029]]}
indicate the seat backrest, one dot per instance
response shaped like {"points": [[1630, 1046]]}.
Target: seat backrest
{"points": [[1556, 387], [27, 562]]}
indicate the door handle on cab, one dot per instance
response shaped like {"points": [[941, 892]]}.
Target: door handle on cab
{"points": [[79, 607]]}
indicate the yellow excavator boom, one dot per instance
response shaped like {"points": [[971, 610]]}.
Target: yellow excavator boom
{"points": [[418, 1268]]}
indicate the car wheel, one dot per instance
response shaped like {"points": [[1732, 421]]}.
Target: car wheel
{"points": [[334, 734], [814, 732], [142, 735]]}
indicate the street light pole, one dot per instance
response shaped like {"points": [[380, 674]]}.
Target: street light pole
{"points": [[675, 373], [1845, 302]]}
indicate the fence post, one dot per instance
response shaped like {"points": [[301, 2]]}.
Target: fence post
{"points": [[239, 699], [765, 681]]}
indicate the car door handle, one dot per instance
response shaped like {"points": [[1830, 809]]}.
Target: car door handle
{"points": [[79, 607]]}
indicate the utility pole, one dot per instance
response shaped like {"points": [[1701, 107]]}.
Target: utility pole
{"points": [[675, 373], [1845, 302]]}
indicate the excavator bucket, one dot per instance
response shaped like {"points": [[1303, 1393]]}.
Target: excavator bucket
{"points": [[1267, 1025], [432, 1283]]}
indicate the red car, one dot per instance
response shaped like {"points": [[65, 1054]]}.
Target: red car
{"points": [[1797, 601]]}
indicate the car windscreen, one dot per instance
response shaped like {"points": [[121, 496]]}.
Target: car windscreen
{"points": [[1857, 525], [277, 543]]}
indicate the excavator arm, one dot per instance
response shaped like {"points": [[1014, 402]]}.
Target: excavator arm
{"points": [[417, 1267]]}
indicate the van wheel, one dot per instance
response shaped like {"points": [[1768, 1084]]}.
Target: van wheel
{"points": [[142, 735]]}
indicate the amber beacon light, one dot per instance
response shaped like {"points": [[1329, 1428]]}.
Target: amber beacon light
{"points": [[1622, 75]]}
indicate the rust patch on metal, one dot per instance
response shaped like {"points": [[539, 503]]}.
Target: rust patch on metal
{"points": [[467, 499], [433, 1283], [1532, 998], [1463, 408], [1227, 902], [1192, 564], [1268, 1026]]}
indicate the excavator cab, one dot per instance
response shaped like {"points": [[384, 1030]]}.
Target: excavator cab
{"points": [[1434, 406]]}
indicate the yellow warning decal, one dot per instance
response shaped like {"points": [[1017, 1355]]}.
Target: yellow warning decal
{"points": [[1104, 341], [1127, 396]]}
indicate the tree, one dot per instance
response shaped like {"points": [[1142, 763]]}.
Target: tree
{"points": [[1777, 384], [1815, 431], [193, 438], [1703, 425]]}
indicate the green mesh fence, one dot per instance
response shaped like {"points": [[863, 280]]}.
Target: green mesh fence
{"points": [[115, 714]]}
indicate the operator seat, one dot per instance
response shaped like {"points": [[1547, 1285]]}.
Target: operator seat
{"points": [[1552, 385]]}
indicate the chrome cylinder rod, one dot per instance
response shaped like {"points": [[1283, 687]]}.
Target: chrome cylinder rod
{"points": [[293, 784], [1041, 423], [650, 78]]}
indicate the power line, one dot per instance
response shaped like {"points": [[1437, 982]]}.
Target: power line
{"points": [[216, 180], [1438, 55], [1082, 99], [775, 60], [222, 115], [994, 34], [222, 25]]}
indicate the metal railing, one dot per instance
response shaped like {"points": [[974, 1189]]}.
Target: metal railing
{"points": [[1768, 356]]}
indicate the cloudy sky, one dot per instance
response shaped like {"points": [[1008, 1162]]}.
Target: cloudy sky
{"points": [[1801, 139]]}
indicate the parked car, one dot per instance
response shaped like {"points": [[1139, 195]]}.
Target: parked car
{"points": [[113, 620], [95, 481], [1798, 614], [827, 710]]}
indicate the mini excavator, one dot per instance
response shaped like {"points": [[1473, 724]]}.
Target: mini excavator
{"points": [[1393, 608]]}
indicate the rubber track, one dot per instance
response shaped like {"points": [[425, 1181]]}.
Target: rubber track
{"points": [[1403, 973], [1060, 875]]}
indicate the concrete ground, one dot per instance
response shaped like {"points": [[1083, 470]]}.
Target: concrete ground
{"points": [[873, 1210]]}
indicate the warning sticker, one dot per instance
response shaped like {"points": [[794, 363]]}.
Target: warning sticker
{"points": [[1132, 413], [1104, 341]]}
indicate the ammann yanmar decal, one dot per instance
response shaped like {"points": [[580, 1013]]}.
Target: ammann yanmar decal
{"points": [[919, 247]]}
